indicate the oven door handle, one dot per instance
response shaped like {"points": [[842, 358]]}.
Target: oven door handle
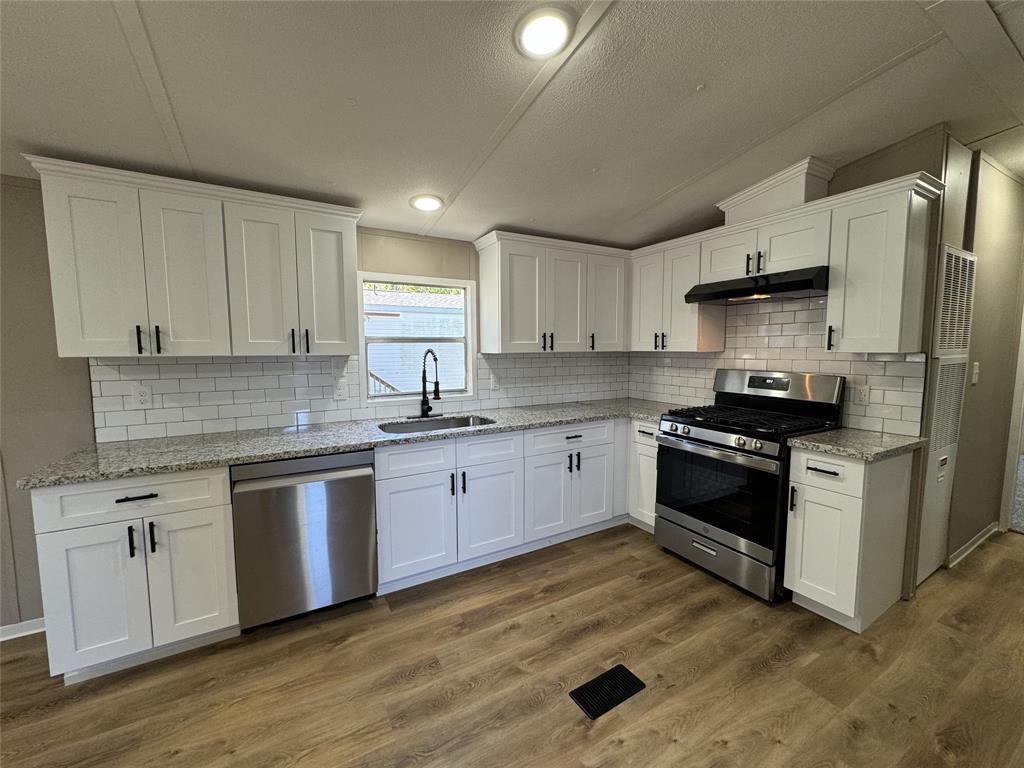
{"points": [[732, 457]]}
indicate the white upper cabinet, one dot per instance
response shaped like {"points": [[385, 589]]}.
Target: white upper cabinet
{"points": [[877, 274], [328, 308], [145, 265], [97, 275], [606, 303], [186, 284], [793, 243], [728, 256], [648, 289], [543, 295], [262, 279]]}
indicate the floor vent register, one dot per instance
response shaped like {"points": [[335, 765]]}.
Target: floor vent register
{"points": [[606, 691]]}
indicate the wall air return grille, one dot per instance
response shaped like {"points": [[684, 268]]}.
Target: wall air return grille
{"points": [[955, 303], [950, 378]]}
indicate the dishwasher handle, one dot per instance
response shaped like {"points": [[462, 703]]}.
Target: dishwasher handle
{"points": [[290, 481]]}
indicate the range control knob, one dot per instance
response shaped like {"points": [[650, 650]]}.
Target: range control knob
{"points": [[758, 445], [686, 430], [741, 442], [673, 427]]}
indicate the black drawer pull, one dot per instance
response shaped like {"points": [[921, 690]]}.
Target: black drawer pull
{"points": [[131, 541], [577, 461], [591, 341], [573, 437], [645, 432], [463, 482], [307, 341], [828, 343], [143, 497], [138, 338], [823, 471], [152, 536], [570, 463], [748, 263], [453, 483], [156, 332], [655, 340], [293, 341], [544, 341], [792, 498]]}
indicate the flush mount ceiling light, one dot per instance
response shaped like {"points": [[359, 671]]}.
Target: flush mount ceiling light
{"points": [[544, 32], [427, 203]]}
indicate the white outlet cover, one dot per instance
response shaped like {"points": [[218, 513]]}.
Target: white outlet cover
{"points": [[861, 394], [142, 396]]}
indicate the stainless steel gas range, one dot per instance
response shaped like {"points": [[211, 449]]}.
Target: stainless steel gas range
{"points": [[723, 472]]}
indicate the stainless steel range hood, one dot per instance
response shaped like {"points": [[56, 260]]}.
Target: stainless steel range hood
{"points": [[794, 284]]}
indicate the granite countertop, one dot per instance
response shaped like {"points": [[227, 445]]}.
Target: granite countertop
{"points": [[858, 444], [108, 461]]}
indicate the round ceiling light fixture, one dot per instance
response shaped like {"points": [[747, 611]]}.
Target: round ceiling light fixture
{"points": [[544, 32], [427, 203]]}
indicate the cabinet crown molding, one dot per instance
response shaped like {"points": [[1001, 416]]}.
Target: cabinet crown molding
{"points": [[53, 166], [497, 235], [809, 166]]}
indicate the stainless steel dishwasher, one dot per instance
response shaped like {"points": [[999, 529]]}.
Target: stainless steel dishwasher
{"points": [[305, 534]]}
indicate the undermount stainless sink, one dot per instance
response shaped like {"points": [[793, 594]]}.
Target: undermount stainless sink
{"points": [[430, 425]]}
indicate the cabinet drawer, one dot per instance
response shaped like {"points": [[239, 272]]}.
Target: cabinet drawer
{"points": [[487, 448], [413, 459], [832, 473], [109, 501], [572, 436], [644, 433]]}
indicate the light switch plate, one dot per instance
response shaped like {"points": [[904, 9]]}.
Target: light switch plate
{"points": [[975, 372]]}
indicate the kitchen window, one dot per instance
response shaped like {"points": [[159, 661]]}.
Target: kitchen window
{"points": [[404, 316]]}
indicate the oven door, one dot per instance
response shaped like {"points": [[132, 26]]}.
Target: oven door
{"points": [[734, 498]]}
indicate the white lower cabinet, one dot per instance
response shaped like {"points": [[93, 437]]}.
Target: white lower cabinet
{"points": [[95, 595], [548, 499], [490, 508], [593, 485], [643, 473], [417, 524]]}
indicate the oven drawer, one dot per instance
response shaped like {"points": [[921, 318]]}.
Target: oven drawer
{"points": [[831, 473]]}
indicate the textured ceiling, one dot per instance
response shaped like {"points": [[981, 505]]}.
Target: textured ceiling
{"points": [[657, 111]]}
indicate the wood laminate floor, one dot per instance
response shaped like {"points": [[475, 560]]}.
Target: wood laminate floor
{"points": [[475, 670]]}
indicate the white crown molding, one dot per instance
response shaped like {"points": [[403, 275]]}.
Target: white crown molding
{"points": [[498, 235], [809, 166], [54, 167], [922, 183]]}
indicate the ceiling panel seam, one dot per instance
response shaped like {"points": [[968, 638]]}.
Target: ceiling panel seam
{"points": [[817, 107], [133, 28], [587, 22]]}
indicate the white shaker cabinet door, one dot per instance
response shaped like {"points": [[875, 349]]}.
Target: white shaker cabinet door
{"points": [[566, 300], [594, 481], [191, 564], [97, 276], [794, 243], [490, 508], [416, 524], [95, 597], [688, 327], [727, 257], [262, 285], [646, 302], [644, 482], [548, 497], [186, 278], [328, 312], [606, 303], [523, 300]]}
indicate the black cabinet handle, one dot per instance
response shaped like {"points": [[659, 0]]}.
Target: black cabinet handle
{"points": [[138, 338], [453, 483], [822, 471], [760, 261], [645, 432], [570, 463], [664, 346], [131, 541], [655, 339], [792, 498], [577, 461], [591, 341], [143, 497], [293, 341], [307, 341], [156, 332], [152, 536], [828, 344], [748, 263], [463, 482], [544, 341], [552, 341], [573, 437]]}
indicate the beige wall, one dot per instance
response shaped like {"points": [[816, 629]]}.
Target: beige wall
{"points": [[45, 401], [404, 254], [995, 333]]}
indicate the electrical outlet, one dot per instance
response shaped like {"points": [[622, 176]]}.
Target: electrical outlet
{"points": [[861, 394], [142, 396]]}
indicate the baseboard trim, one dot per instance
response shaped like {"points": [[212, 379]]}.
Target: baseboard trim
{"points": [[852, 623], [505, 554], [30, 627], [972, 545], [642, 524], [152, 654]]}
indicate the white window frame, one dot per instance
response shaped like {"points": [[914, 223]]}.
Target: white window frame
{"points": [[404, 400]]}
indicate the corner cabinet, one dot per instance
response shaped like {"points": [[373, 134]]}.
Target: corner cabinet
{"points": [[544, 295], [139, 267]]}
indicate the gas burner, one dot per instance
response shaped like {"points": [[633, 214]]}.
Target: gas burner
{"points": [[748, 419]]}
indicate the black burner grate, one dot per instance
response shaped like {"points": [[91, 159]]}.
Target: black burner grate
{"points": [[748, 418]]}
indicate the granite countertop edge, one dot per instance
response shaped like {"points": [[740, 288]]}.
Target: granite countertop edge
{"points": [[152, 456], [861, 444]]}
